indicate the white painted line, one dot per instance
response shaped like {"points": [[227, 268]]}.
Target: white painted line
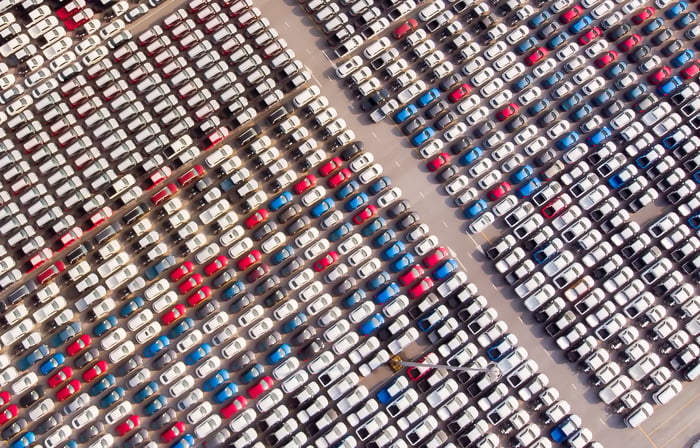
{"points": [[575, 388], [519, 318], [330, 61], [375, 135], [397, 163], [421, 194], [313, 75], [445, 224], [286, 24]]}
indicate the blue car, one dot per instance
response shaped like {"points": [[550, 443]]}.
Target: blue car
{"points": [[405, 113], [281, 200], [340, 231], [622, 176], [102, 385], [154, 347], [402, 263], [526, 45], [251, 374], [216, 380], [384, 238], [571, 102], [322, 208], [181, 328], [615, 70], [694, 221], [475, 209], [544, 253], [685, 20], [354, 298], [379, 185], [521, 174], [198, 354], [387, 293], [428, 97], [653, 26], [539, 19], [552, 80], [393, 251], [376, 282], [422, 137], [669, 86], [24, 442], [158, 268], [675, 10], [33, 357], [567, 141], [445, 269], [187, 441], [371, 325], [232, 291], [471, 155], [499, 348], [104, 326], [154, 406], [131, 306], [282, 254], [529, 188], [581, 112], [580, 25], [356, 202], [374, 226], [635, 92], [52, 363], [538, 107], [295, 322], [599, 137], [62, 336], [146, 391], [347, 189], [522, 83], [227, 392], [673, 139], [603, 97], [114, 396], [429, 322], [388, 392], [557, 41], [279, 354]]}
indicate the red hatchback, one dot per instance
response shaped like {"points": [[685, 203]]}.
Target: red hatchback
{"points": [[199, 296], [507, 112], [606, 58], [364, 215], [171, 433], [8, 413], [691, 71], [590, 35], [236, 405], [68, 390], [570, 15], [191, 283], [256, 218], [174, 314], [630, 42], [249, 260], [127, 425], [164, 194], [181, 271], [78, 345], [60, 377], [435, 257], [659, 75], [498, 192], [98, 369], [409, 277], [438, 161], [215, 266], [338, 178], [536, 56], [304, 184], [459, 93], [330, 167], [644, 15], [421, 288], [405, 28], [264, 385], [325, 261]]}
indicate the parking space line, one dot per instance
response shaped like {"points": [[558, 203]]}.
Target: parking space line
{"points": [[397, 163], [676, 434], [674, 414], [313, 75], [647, 437]]}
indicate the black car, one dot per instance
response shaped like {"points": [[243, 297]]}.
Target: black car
{"points": [[288, 213], [268, 341], [207, 309], [407, 220], [446, 174], [298, 225], [413, 126], [267, 284], [446, 120], [617, 32], [130, 365], [344, 286], [398, 208], [661, 37], [91, 432], [240, 304], [53, 420], [225, 277], [294, 265], [79, 253], [241, 361], [460, 145], [14, 428], [639, 53], [138, 439], [163, 419], [351, 151], [86, 358], [436, 110], [264, 230], [311, 349], [304, 334], [672, 48], [32, 396], [165, 359]]}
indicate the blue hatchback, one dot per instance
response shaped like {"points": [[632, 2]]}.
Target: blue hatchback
{"points": [[347, 189], [428, 97], [652, 26], [405, 113], [387, 293], [423, 136], [108, 400], [102, 385], [539, 19], [685, 20], [553, 80], [526, 45], [232, 291], [445, 269], [603, 97], [471, 155], [475, 209], [675, 10], [379, 185], [522, 83], [354, 298], [251, 374], [529, 188], [154, 347], [52, 363], [154, 406], [374, 226], [635, 92], [371, 325], [521, 174], [581, 112], [32, 358], [280, 201], [198, 354], [571, 102], [131, 306], [216, 380], [339, 232], [282, 254], [557, 41], [279, 354], [384, 238], [322, 208], [599, 137], [378, 280], [227, 392], [25, 441], [356, 201], [104, 326], [62, 336], [187, 441], [615, 70], [402, 263], [393, 251], [538, 107], [295, 322], [567, 141], [682, 58], [581, 24]]}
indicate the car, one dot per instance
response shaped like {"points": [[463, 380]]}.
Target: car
{"points": [[423, 136], [682, 58], [428, 97], [127, 425], [499, 191], [174, 431], [67, 391], [629, 43], [263, 385], [536, 56], [364, 214], [404, 29]]}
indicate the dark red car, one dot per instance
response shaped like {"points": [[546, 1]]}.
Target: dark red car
{"points": [[412, 275], [536, 56], [330, 167], [630, 42], [236, 405], [644, 15], [39, 258], [260, 388], [8, 413], [177, 429], [571, 14], [52, 272], [499, 191], [405, 28], [127, 425], [507, 112], [199, 296], [97, 369], [164, 194], [417, 291], [338, 178], [60, 377], [590, 35], [606, 58], [460, 92], [67, 391], [659, 75], [191, 175]]}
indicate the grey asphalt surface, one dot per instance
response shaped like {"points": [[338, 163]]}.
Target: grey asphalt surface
{"points": [[675, 425]]}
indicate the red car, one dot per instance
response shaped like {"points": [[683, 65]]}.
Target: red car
{"points": [[219, 263], [174, 314], [499, 191], [78, 345], [630, 42], [60, 377], [8, 413], [644, 15], [439, 160], [338, 178], [70, 237], [421, 288], [590, 35], [307, 182], [68, 390], [51, 273], [175, 430], [199, 296], [691, 71], [409, 277], [325, 261], [459, 93], [249, 260], [365, 214], [507, 112], [127, 425], [405, 28], [98, 369], [104, 214], [554, 207], [217, 136], [660, 75], [536, 56], [435, 257], [164, 194], [181, 271], [261, 387], [330, 167], [191, 175], [236, 405], [256, 218], [73, 22], [416, 373], [4, 397], [571, 14], [191, 283], [159, 176], [606, 58], [40, 258], [70, 9]]}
